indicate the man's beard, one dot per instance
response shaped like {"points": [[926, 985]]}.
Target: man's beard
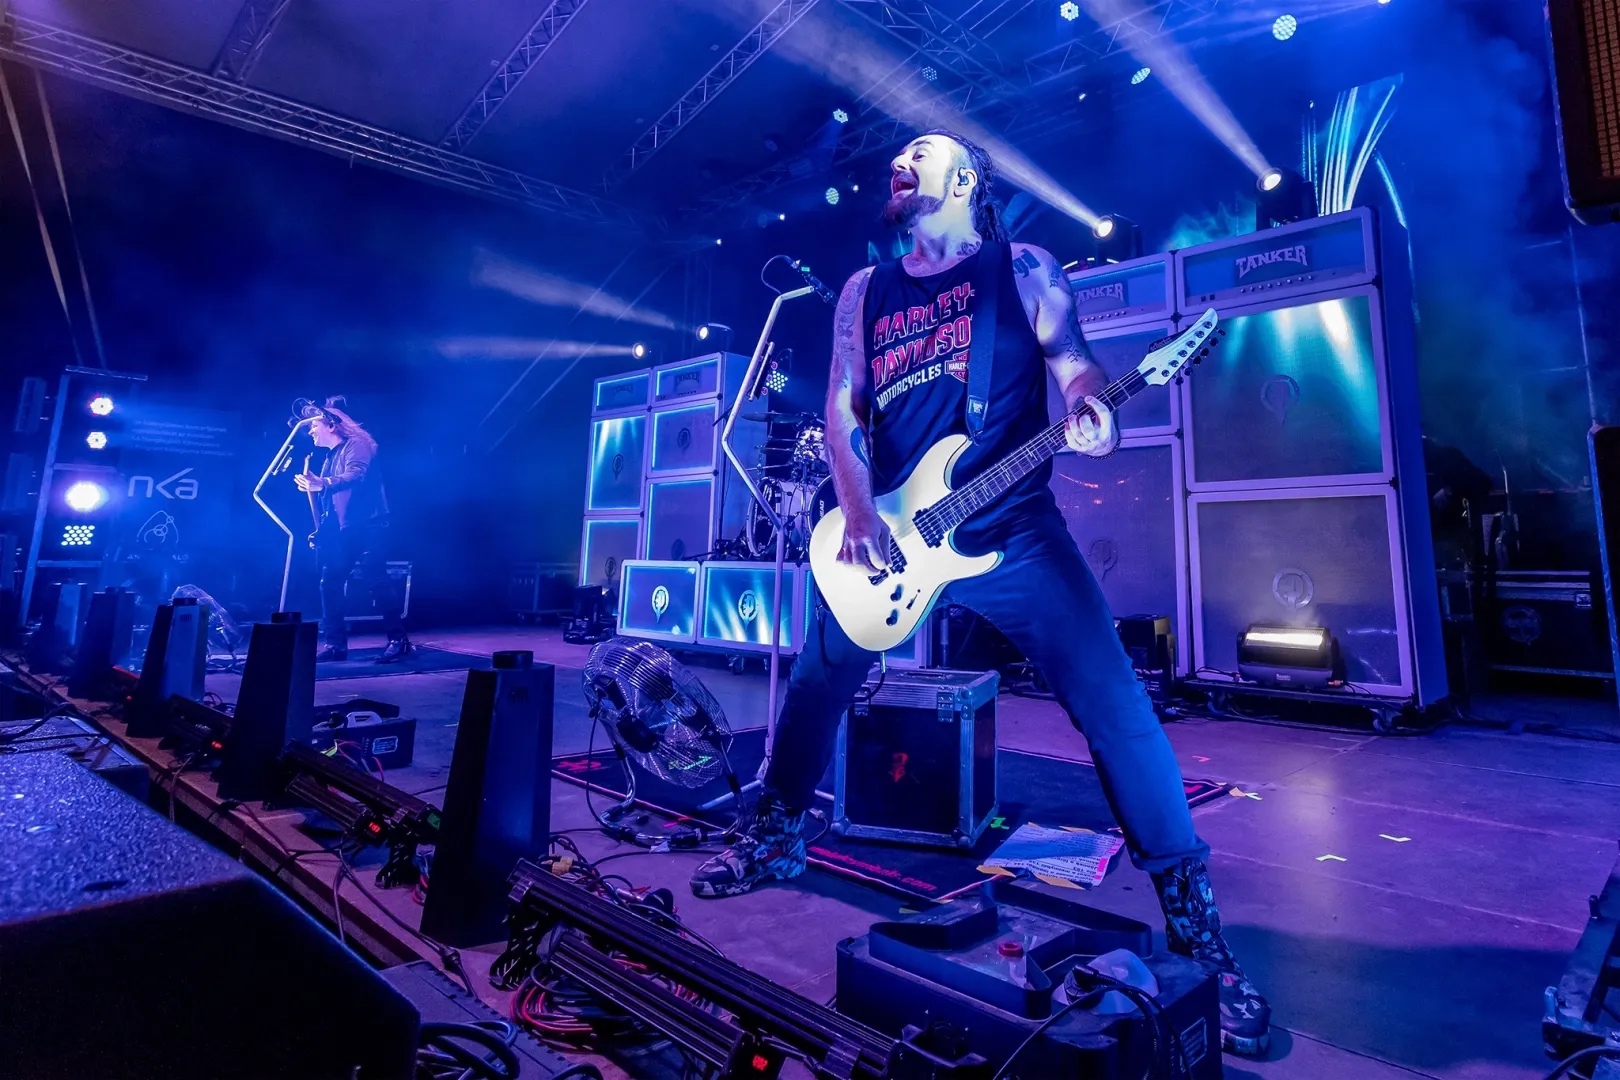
{"points": [[903, 210]]}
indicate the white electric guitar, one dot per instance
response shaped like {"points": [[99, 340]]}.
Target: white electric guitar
{"points": [[880, 610]]}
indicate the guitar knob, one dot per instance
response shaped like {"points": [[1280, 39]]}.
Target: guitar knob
{"points": [[894, 617]]}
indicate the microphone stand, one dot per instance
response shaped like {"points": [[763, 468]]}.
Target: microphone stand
{"points": [[751, 380], [277, 465]]}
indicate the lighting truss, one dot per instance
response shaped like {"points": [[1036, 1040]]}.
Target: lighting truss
{"points": [[250, 33], [1004, 101], [552, 22], [741, 57], [126, 71]]}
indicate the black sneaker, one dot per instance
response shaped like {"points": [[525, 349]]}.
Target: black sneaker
{"points": [[397, 650], [329, 653], [773, 847], [1193, 929]]}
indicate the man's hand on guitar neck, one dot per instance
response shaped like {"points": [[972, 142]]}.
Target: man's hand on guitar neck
{"points": [[1092, 432], [866, 539]]}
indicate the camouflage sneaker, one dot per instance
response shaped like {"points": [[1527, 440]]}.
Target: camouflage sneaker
{"points": [[772, 847], [1193, 929]]}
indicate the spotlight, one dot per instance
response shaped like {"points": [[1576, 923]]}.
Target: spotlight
{"points": [[777, 380], [1141, 76], [1118, 239], [1284, 197], [1297, 657], [832, 196], [1082, 96], [101, 405], [1383, 1], [78, 536], [855, 187], [1284, 27], [640, 350], [781, 217], [719, 240], [715, 335], [841, 116], [84, 496], [96, 440], [1069, 10]]}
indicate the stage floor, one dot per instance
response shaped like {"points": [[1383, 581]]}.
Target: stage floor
{"points": [[1403, 901]]}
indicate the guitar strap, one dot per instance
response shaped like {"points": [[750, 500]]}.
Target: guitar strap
{"points": [[994, 266]]}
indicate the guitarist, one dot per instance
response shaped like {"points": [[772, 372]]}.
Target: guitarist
{"points": [[352, 531], [904, 338]]}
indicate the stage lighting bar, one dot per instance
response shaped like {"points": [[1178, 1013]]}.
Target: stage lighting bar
{"points": [[828, 1041], [368, 809], [1293, 657]]}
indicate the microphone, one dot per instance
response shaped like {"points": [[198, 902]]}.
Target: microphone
{"points": [[814, 282]]}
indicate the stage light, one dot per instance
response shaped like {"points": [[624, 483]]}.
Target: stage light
{"points": [[1082, 96], [841, 116], [777, 380], [1141, 75], [719, 240], [96, 440], [1118, 239], [1298, 657], [101, 405], [715, 335], [930, 74], [1284, 197], [781, 217], [1069, 10], [1284, 27], [1383, 1], [78, 536], [855, 187], [640, 350], [832, 196], [84, 496]]}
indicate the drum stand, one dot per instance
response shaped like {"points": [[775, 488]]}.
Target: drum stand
{"points": [[752, 387]]}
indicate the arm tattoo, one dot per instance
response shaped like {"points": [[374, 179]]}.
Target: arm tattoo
{"points": [[1055, 276], [859, 443], [1025, 263]]}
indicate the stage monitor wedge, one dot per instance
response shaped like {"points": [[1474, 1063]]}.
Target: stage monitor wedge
{"points": [[175, 663], [497, 805], [275, 706]]}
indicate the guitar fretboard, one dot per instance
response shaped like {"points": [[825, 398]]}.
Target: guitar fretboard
{"points": [[967, 500]]}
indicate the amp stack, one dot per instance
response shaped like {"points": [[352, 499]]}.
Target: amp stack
{"points": [[1283, 484]]}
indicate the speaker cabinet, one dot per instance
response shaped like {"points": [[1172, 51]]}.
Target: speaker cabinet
{"points": [[1127, 516], [133, 949], [64, 606], [1295, 396], [617, 463], [607, 545], [1586, 82], [685, 439], [737, 602], [659, 601], [497, 806], [681, 518], [275, 706], [1327, 557], [106, 641]]}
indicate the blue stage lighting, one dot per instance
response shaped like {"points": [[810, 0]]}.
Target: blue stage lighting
{"points": [[78, 536], [96, 440], [1069, 10], [101, 405], [1284, 27], [639, 350], [777, 380], [1270, 180], [84, 496], [930, 73], [832, 196], [841, 116], [1141, 76]]}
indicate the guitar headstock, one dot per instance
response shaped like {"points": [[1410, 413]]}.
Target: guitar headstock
{"points": [[1169, 358]]}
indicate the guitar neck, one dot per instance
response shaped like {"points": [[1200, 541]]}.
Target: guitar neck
{"points": [[965, 501]]}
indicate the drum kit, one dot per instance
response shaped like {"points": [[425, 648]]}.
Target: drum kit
{"points": [[795, 475]]}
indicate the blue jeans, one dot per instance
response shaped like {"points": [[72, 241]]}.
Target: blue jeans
{"points": [[1043, 597]]}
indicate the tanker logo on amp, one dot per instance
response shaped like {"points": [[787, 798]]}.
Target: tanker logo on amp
{"points": [[1248, 264], [1113, 290], [747, 605]]}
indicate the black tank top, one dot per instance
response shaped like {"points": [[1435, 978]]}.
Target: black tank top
{"points": [[919, 339]]}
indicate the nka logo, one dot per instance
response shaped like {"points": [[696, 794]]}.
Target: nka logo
{"points": [[184, 487]]}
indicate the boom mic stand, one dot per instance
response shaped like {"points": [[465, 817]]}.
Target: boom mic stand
{"points": [[278, 465], [752, 387]]}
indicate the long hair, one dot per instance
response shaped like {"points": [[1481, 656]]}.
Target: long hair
{"points": [[343, 423], [987, 209]]}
